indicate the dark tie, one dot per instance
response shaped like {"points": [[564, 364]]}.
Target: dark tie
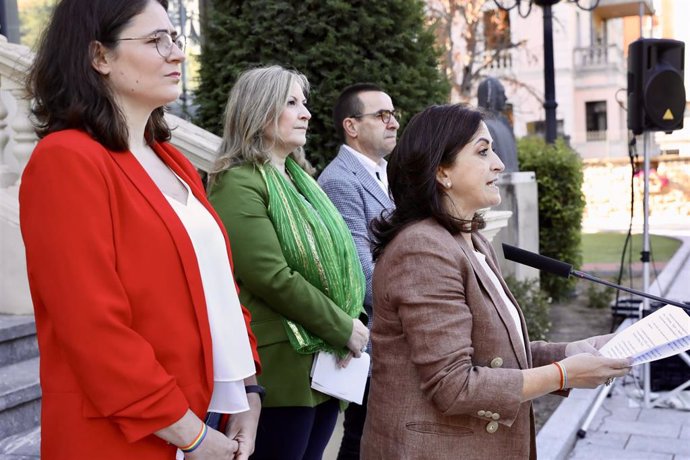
{"points": [[378, 176]]}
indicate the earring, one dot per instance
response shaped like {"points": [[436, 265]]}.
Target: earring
{"points": [[448, 184]]}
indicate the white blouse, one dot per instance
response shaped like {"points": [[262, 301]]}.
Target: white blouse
{"points": [[504, 297], [232, 355]]}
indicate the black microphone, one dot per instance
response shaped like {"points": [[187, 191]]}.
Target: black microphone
{"points": [[537, 261], [565, 270]]}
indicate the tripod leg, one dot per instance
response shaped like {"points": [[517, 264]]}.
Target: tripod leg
{"points": [[603, 392], [647, 386]]}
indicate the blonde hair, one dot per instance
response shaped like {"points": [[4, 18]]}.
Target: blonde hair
{"points": [[256, 101]]}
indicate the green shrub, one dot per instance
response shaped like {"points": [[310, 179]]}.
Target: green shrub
{"points": [[558, 170], [599, 297], [335, 43], [534, 304]]}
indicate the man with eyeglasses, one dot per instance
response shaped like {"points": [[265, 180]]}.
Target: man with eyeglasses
{"points": [[356, 182]]}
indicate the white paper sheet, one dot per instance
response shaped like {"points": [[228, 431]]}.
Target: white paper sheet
{"points": [[343, 383], [666, 332]]}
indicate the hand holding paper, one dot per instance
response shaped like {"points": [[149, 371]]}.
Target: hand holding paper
{"points": [[346, 383]]}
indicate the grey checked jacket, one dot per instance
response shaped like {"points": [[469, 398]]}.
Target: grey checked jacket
{"points": [[359, 199]]}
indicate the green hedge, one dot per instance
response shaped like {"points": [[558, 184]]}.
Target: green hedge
{"points": [[558, 169], [335, 43]]}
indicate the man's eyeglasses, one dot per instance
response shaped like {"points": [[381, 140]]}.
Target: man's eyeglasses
{"points": [[384, 115], [164, 42]]}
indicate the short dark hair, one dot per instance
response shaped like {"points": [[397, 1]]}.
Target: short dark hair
{"points": [[68, 92], [432, 138], [348, 104]]}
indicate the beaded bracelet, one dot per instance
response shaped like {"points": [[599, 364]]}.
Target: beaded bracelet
{"points": [[563, 375], [191, 447]]}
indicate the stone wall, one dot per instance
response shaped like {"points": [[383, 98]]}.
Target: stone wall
{"points": [[607, 191]]}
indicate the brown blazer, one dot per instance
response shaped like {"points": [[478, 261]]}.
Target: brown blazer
{"points": [[446, 355]]}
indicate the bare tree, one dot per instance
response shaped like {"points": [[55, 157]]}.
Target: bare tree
{"points": [[474, 39]]}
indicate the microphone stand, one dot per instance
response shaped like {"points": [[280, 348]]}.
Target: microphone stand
{"points": [[646, 295], [560, 268]]}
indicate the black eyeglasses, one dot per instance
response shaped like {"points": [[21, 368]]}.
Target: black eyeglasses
{"points": [[164, 42], [384, 115]]}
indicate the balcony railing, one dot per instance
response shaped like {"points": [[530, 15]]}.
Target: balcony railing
{"points": [[598, 57], [595, 136], [498, 60]]}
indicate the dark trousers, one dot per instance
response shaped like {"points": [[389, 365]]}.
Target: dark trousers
{"points": [[353, 426], [295, 433]]}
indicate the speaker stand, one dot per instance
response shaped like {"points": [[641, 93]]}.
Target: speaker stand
{"points": [[645, 258], [647, 390], [644, 307]]}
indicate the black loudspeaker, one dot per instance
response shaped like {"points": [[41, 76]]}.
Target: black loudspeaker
{"points": [[656, 93], [668, 373]]}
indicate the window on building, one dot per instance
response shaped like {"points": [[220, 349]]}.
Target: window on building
{"points": [[496, 29], [497, 39], [596, 120]]}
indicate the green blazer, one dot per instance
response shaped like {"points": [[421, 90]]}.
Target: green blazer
{"points": [[272, 290]]}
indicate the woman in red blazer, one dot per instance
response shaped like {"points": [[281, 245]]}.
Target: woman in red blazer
{"points": [[117, 279]]}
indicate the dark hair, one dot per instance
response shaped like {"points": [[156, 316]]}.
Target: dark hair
{"points": [[433, 138], [349, 104], [68, 92]]}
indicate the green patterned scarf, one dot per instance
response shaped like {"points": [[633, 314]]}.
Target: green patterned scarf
{"points": [[316, 243]]}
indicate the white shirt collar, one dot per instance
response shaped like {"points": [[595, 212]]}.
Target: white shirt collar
{"points": [[370, 165]]}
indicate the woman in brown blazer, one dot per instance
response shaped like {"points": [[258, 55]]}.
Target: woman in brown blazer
{"points": [[454, 371]]}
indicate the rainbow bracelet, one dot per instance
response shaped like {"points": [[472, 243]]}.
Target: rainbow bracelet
{"points": [[563, 375], [191, 447]]}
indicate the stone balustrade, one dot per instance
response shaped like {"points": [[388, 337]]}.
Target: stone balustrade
{"points": [[598, 57], [17, 140]]}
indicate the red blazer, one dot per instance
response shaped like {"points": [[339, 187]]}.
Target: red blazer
{"points": [[121, 317]]}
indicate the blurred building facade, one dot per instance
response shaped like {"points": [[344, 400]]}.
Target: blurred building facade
{"points": [[590, 57]]}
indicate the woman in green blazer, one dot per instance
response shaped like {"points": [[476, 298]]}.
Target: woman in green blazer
{"points": [[295, 261]]}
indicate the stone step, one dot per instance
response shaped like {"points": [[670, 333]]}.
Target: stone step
{"points": [[20, 397], [17, 338], [22, 446]]}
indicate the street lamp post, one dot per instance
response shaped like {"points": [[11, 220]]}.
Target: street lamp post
{"points": [[3, 18], [550, 103]]}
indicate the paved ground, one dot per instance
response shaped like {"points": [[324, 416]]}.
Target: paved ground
{"points": [[622, 428]]}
